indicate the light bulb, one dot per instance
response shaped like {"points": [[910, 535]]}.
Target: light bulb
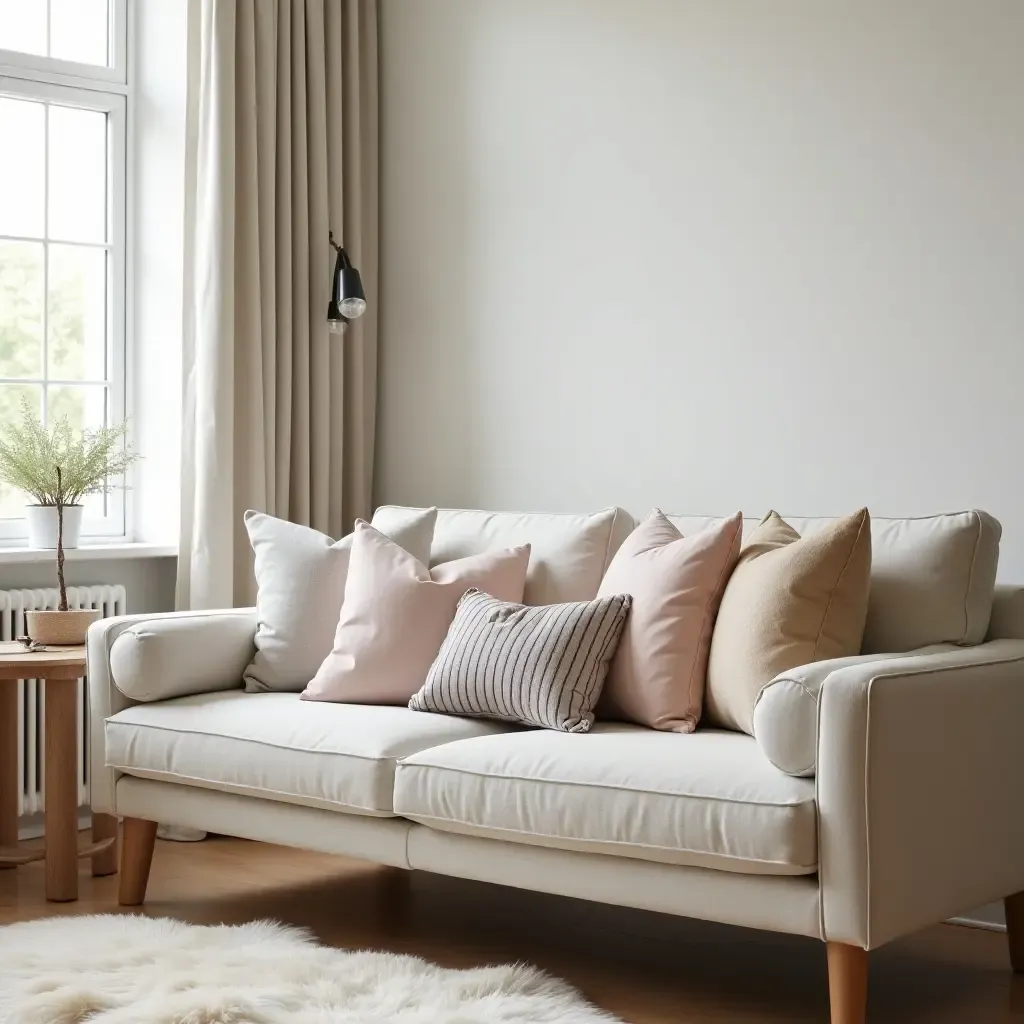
{"points": [[336, 326], [352, 307]]}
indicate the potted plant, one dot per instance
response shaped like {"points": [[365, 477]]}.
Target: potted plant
{"points": [[58, 468]]}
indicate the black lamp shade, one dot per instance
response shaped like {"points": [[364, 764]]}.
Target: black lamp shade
{"points": [[348, 300], [348, 285]]}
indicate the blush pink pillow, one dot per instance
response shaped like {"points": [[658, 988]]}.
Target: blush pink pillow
{"points": [[396, 614], [657, 676]]}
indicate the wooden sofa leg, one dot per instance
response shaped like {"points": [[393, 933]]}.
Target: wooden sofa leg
{"points": [[847, 983], [1014, 906], [137, 841]]}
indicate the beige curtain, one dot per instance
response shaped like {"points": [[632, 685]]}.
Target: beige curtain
{"points": [[281, 148]]}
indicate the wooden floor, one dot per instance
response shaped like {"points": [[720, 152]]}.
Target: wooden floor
{"points": [[646, 968]]}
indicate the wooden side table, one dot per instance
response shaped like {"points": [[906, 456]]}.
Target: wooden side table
{"points": [[60, 668]]}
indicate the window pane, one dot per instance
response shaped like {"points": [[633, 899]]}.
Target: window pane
{"points": [[78, 30], [23, 26], [21, 309], [77, 313], [85, 407], [12, 502], [22, 167], [78, 174]]}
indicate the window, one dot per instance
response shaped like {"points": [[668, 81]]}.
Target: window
{"points": [[63, 100]]}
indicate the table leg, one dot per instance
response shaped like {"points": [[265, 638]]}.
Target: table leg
{"points": [[8, 766], [104, 826], [61, 782]]}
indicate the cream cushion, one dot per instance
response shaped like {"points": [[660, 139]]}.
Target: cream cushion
{"points": [[164, 657], [569, 552], [931, 578], [300, 575], [939, 572], [791, 600], [709, 799], [277, 747]]}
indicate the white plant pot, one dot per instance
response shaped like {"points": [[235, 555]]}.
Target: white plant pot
{"points": [[42, 525]]}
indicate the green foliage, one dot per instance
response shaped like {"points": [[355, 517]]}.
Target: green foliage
{"points": [[30, 456]]}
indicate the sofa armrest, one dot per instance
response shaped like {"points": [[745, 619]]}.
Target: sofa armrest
{"points": [[786, 709], [135, 658], [920, 789]]}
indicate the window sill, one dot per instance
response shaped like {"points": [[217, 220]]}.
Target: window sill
{"points": [[87, 553]]}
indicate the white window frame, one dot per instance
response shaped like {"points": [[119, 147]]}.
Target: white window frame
{"points": [[104, 89], [72, 72]]}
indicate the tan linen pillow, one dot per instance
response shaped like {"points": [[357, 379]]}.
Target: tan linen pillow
{"points": [[790, 601], [657, 676], [396, 615]]}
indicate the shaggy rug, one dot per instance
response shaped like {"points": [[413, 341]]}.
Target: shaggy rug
{"points": [[112, 969]]}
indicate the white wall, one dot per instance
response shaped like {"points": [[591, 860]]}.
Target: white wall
{"points": [[707, 254]]}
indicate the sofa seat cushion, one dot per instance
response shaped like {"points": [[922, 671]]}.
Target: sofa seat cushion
{"points": [[709, 799], [275, 746]]}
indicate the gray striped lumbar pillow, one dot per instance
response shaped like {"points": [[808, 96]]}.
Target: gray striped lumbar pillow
{"points": [[540, 665]]}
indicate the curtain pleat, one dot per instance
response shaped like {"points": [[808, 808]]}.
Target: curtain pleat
{"points": [[281, 148]]}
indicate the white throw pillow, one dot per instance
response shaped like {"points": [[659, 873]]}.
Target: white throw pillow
{"points": [[301, 576]]}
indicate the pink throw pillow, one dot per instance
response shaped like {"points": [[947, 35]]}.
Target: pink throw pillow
{"points": [[396, 614], [658, 674]]}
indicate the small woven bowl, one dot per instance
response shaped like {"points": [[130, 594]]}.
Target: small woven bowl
{"points": [[60, 628]]}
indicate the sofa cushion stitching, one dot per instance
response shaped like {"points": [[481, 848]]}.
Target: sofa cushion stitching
{"points": [[129, 769], [602, 785], [178, 730], [608, 547], [970, 579], [425, 818]]}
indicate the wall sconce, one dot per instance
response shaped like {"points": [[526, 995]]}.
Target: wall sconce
{"points": [[348, 300]]}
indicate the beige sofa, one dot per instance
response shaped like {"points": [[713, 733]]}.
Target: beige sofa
{"points": [[879, 795]]}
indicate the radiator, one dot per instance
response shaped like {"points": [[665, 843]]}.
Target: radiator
{"points": [[110, 600]]}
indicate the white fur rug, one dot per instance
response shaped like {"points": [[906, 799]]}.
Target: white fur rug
{"points": [[114, 969]]}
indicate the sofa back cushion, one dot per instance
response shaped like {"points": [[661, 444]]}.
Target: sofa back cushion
{"points": [[932, 578], [570, 552]]}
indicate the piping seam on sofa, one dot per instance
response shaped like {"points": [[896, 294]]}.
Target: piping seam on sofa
{"points": [[426, 819], [218, 785], [262, 743], [602, 785]]}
